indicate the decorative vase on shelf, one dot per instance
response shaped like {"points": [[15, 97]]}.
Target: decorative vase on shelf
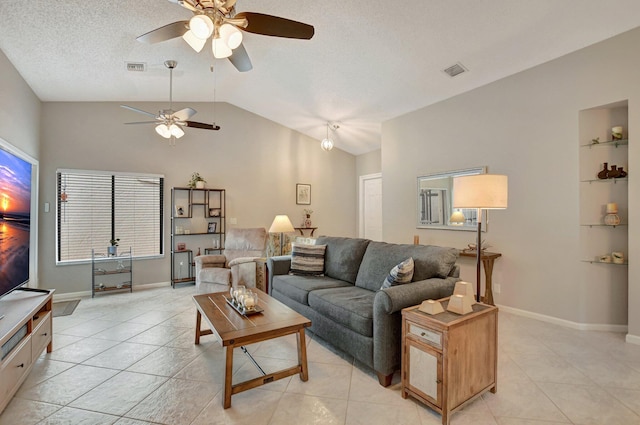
{"points": [[307, 222], [611, 219], [622, 173], [200, 184], [113, 250], [613, 172], [604, 174]]}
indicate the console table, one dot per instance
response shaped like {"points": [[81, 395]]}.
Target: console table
{"points": [[488, 258]]}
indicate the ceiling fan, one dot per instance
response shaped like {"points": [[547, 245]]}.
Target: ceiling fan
{"points": [[218, 20], [169, 122]]}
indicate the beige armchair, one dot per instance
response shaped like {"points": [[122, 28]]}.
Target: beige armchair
{"points": [[236, 265]]}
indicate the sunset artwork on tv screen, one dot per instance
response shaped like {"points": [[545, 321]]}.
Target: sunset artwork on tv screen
{"points": [[15, 221]]}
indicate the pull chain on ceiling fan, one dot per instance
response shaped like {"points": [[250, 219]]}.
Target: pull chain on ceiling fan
{"points": [[170, 122], [218, 20]]}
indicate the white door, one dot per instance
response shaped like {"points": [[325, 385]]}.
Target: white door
{"points": [[371, 207]]}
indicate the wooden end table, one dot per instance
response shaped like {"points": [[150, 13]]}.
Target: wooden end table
{"points": [[449, 359], [235, 330]]}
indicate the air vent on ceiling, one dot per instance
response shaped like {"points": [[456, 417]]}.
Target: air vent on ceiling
{"points": [[456, 69], [136, 66]]}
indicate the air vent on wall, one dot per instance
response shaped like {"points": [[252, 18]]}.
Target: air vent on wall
{"points": [[456, 69], [136, 66]]}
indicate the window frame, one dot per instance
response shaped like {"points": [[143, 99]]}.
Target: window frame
{"points": [[62, 171]]}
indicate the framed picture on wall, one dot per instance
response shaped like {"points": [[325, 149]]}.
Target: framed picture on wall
{"points": [[212, 227], [303, 194]]}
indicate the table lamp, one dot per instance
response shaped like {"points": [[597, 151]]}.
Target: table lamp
{"points": [[281, 224], [482, 192]]}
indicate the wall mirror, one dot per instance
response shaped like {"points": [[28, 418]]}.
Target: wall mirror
{"points": [[435, 202]]}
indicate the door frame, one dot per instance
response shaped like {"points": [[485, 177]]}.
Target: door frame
{"points": [[361, 181]]}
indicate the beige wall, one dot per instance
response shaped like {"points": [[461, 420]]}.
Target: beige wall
{"points": [[526, 126], [256, 160], [20, 127], [19, 110], [369, 163]]}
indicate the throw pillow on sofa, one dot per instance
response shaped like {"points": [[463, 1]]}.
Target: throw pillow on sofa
{"points": [[401, 273], [307, 260]]}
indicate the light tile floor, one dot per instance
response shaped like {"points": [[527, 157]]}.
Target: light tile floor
{"points": [[129, 359]]}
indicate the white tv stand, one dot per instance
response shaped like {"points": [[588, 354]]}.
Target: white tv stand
{"points": [[25, 330]]}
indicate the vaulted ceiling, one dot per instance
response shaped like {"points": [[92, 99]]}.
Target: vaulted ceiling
{"points": [[368, 61]]}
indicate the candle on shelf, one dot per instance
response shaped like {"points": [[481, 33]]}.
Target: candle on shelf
{"points": [[612, 208]]}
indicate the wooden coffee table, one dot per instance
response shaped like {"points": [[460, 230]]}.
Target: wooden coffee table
{"points": [[235, 330]]}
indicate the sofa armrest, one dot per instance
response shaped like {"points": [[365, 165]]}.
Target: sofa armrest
{"points": [[387, 320], [395, 298], [277, 265], [242, 260], [210, 260]]}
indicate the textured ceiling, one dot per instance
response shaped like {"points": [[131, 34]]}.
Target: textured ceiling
{"points": [[368, 61]]}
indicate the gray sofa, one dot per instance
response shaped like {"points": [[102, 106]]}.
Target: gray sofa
{"points": [[347, 307]]}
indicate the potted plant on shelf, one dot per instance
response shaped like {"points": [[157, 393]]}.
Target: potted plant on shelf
{"points": [[196, 181], [113, 249]]}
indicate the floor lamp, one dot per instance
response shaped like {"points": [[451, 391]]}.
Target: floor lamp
{"points": [[281, 224], [482, 192]]}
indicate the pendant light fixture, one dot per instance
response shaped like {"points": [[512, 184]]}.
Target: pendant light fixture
{"points": [[327, 143]]}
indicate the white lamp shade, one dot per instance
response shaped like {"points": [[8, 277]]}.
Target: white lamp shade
{"points": [[196, 43], [231, 35], [484, 191], [201, 26], [220, 48], [326, 145], [176, 131], [281, 224], [163, 130]]}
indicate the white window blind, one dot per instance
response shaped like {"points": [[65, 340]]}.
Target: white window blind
{"points": [[94, 207]]}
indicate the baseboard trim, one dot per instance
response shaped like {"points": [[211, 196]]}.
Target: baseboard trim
{"points": [[566, 323], [84, 294], [633, 339]]}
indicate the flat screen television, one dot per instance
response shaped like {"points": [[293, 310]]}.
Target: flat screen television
{"points": [[15, 220]]}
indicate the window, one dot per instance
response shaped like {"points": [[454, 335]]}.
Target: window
{"points": [[94, 207]]}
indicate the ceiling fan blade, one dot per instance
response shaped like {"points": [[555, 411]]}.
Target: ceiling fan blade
{"points": [[139, 111], [202, 125], [240, 59], [275, 26], [184, 114], [167, 32], [143, 122]]}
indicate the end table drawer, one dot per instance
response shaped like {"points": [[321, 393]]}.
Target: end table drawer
{"points": [[432, 337]]}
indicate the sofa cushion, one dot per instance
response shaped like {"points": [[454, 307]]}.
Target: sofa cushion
{"points": [[350, 306], [297, 287], [343, 256], [307, 260], [401, 273], [380, 257]]}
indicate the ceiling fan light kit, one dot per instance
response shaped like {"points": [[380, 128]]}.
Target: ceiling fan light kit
{"points": [[196, 43], [217, 19], [170, 122], [201, 26]]}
